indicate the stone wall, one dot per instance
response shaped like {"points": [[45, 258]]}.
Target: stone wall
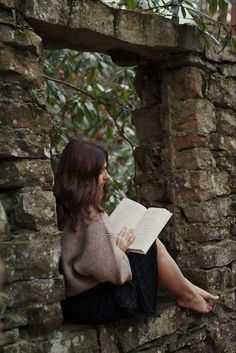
{"points": [[186, 129]]}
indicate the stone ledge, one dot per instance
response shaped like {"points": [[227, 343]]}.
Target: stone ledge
{"points": [[101, 28]]}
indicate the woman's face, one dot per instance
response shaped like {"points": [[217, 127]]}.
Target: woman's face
{"points": [[103, 176]]}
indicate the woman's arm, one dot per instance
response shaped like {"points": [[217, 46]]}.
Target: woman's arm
{"points": [[102, 259]]}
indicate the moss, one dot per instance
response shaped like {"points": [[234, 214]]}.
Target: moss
{"points": [[4, 301]]}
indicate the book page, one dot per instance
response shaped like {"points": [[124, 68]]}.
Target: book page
{"points": [[127, 213], [149, 227]]}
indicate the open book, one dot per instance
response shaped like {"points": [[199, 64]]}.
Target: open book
{"points": [[147, 223]]}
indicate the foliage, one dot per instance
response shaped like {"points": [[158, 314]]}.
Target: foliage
{"points": [[212, 28], [99, 110]]}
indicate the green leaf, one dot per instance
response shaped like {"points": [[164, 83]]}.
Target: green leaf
{"points": [[212, 6], [223, 6]]}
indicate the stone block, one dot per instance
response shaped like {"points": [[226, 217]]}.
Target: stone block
{"points": [[210, 210], [198, 158], [33, 91], [201, 185], [13, 319], [36, 257], [38, 291], [222, 91], [24, 116], [21, 37], [227, 143], [16, 61], [200, 347], [214, 255], [17, 174], [225, 160], [44, 318], [73, 339], [34, 208], [228, 300], [228, 69], [9, 336], [23, 143], [194, 116], [3, 220], [222, 335], [226, 122], [136, 332], [23, 346], [8, 3], [147, 124], [205, 232], [190, 141], [151, 193], [187, 82], [187, 340], [4, 301]]}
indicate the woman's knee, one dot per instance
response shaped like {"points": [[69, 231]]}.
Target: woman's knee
{"points": [[161, 249]]}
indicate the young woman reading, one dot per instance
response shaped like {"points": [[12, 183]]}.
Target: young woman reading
{"points": [[103, 281]]}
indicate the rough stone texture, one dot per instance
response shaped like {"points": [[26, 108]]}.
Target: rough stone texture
{"points": [[186, 163]]}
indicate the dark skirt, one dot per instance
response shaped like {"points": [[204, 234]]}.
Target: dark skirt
{"points": [[108, 302]]}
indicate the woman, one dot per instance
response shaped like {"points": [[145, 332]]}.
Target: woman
{"points": [[103, 282]]}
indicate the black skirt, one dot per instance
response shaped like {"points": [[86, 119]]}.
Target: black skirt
{"points": [[108, 302]]}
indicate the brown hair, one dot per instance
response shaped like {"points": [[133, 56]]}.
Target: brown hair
{"points": [[76, 186]]}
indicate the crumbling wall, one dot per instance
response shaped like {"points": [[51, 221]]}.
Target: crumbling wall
{"points": [[186, 129]]}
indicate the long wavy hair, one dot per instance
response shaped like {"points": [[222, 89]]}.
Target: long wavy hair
{"points": [[76, 186]]}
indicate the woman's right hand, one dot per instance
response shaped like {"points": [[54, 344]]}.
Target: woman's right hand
{"points": [[125, 238]]}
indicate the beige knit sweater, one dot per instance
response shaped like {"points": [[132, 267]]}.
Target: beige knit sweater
{"points": [[90, 256]]}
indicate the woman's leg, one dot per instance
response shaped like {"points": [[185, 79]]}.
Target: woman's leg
{"points": [[170, 276]]}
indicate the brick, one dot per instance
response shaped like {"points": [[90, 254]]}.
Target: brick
{"points": [[187, 82], [198, 158], [208, 210], [189, 141], [195, 116]]}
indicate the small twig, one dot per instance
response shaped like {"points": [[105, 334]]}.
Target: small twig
{"points": [[98, 100]]}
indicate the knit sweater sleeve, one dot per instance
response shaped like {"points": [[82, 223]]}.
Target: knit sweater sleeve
{"points": [[102, 259]]}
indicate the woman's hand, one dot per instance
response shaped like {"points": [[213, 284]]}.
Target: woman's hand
{"points": [[125, 238]]}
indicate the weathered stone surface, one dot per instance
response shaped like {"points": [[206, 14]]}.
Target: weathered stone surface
{"points": [[147, 124], [201, 185], [12, 319], [215, 255], [26, 116], [36, 291], [44, 318], [23, 143], [189, 141], [213, 280], [193, 115], [197, 158], [225, 160], [8, 336], [222, 92], [226, 122], [26, 173], [8, 3], [4, 301], [228, 69], [72, 339], [23, 346], [228, 300], [104, 28], [187, 82], [187, 340], [208, 210], [21, 37], [3, 220], [34, 208], [36, 257], [135, 332], [223, 335], [205, 232]]}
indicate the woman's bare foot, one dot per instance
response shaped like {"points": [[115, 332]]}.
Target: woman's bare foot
{"points": [[204, 294], [194, 302]]}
